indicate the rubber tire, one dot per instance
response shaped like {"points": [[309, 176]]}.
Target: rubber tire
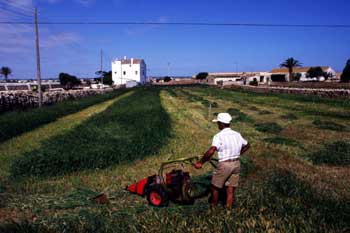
{"points": [[159, 189]]}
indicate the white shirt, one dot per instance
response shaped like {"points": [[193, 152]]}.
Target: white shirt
{"points": [[229, 144]]}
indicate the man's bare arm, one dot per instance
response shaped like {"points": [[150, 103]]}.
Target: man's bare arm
{"points": [[245, 148], [206, 157]]}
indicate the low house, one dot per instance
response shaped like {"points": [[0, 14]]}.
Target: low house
{"points": [[237, 77], [125, 70], [282, 74]]}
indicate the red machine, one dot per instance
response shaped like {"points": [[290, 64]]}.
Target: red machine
{"points": [[177, 186]]}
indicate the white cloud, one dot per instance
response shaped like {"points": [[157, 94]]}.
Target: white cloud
{"points": [[60, 39], [19, 39], [20, 3]]}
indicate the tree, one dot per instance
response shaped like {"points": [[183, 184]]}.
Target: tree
{"points": [[290, 63], [68, 81], [202, 75], [345, 76], [297, 76], [5, 71], [167, 79], [107, 77], [315, 72]]}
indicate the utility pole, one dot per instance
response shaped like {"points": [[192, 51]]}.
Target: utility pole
{"points": [[38, 70], [168, 69], [101, 66]]}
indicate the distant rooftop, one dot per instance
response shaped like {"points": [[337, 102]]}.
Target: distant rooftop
{"points": [[131, 60], [297, 69]]}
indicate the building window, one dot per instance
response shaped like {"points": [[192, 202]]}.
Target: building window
{"points": [[124, 72], [136, 72]]}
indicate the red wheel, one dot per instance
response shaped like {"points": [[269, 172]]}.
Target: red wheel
{"points": [[157, 196]]}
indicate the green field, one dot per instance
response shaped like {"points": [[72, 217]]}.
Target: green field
{"points": [[295, 178]]}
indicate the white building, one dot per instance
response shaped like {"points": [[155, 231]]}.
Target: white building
{"points": [[230, 78], [283, 73], [125, 70]]}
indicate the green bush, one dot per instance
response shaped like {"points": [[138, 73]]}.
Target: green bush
{"points": [[254, 82], [345, 76], [329, 125], [268, 127], [239, 116], [17, 122], [202, 75], [337, 153], [132, 128]]}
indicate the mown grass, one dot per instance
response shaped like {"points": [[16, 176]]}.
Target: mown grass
{"points": [[118, 135], [279, 191], [289, 116], [17, 122], [238, 115], [337, 153], [268, 127], [327, 209], [281, 141], [331, 125]]}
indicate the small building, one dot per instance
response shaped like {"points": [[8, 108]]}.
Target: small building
{"points": [[125, 70], [237, 77], [282, 74]]}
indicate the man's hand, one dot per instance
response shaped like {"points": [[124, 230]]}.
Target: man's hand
{"points": [[245, 148], [198, 165]]}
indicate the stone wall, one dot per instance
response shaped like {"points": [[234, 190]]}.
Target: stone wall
{"points": [[11, 100], [328, 93]]}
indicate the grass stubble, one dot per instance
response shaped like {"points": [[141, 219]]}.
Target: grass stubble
{"points": [[282, 189]]}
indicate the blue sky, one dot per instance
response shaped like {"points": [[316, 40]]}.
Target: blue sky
{"points": [[75, 48]]}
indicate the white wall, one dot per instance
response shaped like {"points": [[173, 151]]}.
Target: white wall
{"points": [[121, 73]]}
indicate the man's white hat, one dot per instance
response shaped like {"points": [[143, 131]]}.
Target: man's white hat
{"points": [[223, 118]]}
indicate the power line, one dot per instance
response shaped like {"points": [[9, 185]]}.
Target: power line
{"points": [[28, 10], [15, 12], [184, 24], [14, 15]]}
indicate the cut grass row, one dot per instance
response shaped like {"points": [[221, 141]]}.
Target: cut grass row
{"points": [[33, 139], [268, 200], [20, 121], [132, 128], [316, 106]]}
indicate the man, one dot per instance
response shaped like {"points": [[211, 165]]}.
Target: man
{"points": [[230, 145]]}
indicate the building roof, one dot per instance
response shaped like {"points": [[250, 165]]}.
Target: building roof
{"points": [[134, 61], [296, 69]]}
